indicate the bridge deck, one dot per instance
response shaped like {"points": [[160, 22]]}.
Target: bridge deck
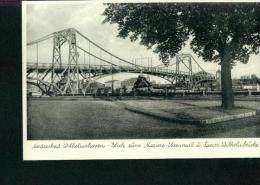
{"points": [[108, 69]]}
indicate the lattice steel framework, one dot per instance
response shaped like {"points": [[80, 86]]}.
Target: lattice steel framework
{"points": [[73, 78], [68, 80]]}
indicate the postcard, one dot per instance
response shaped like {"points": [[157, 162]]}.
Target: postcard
{"points": [[140, 80]]}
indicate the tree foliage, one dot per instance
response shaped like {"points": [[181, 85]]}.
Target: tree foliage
{"points": [[218, 32], [215, 29]]}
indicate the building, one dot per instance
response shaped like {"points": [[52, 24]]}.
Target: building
{"points": [[128, 84], [246, 83], [93, 87], [115, 84]]}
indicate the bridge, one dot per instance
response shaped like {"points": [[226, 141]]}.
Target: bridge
{"points": [[87, 61]]}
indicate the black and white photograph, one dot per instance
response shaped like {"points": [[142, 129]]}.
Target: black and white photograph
{"points": [[106, 70], [129, 92]]}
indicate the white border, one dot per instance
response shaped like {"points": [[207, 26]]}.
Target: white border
{"points": [[124, 153], [24, 84]]}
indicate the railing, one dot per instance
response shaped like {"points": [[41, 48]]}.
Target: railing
{"points": [[160, 70], [166, 94]]}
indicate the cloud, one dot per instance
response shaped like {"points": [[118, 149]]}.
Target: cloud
{"points": [[47, 17]]}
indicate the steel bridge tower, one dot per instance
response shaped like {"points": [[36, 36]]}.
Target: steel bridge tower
{"points": [[68, 80], [186, 60], [70, 77]]}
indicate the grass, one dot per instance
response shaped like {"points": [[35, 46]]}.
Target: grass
{"points": [[91, 118]]}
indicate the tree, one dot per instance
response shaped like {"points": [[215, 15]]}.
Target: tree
{"points": [[254, 76], [219, 32], [255, 79]]}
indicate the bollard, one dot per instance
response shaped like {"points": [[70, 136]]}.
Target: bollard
{"points": [[249, 92]]}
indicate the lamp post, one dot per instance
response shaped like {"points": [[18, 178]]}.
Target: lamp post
{"points": [[112, 84]]}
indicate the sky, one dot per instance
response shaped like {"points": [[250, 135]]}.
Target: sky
{"points": [[43, 18]]}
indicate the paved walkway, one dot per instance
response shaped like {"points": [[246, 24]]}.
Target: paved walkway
{"points": [[179, 104], [190, 111]]}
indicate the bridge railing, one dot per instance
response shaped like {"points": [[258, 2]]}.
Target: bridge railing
{"points": [[161, 70]]}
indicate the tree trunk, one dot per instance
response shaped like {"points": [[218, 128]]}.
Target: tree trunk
{"points": [[226, 83]]}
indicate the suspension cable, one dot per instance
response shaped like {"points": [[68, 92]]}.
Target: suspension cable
{"points": [[95, 56], [106, 50], [40, 40]]}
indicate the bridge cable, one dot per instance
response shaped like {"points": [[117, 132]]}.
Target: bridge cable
{"points": [[40, 40], [95, 56], [197, 63], [106, 50]]}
